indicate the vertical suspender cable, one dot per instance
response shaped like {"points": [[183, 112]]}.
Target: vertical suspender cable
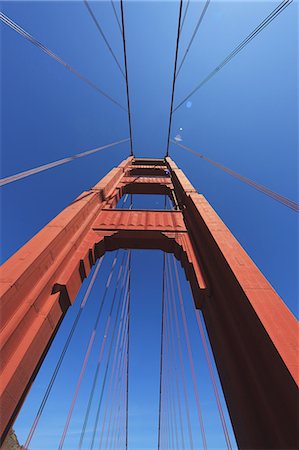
{"points": [[169, 379], [190, 357], [116, 16], [100, 357], [175, 313], [126, 72], [121, 396], [128, 343], [103, 35], [175, 364], [174, 75], [193, 35], [121, 338], [212, 375], [167, 391], [125, 302], [59, 362], [172, 358], [83, 368], [184, 16], [106, 368], [161, 351], [162, 343], [120, 368]]}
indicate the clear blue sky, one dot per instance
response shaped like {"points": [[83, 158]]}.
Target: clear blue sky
{"points": [[245, 118]]}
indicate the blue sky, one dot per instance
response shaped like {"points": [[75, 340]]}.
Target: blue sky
{"points": [[245, 118]]}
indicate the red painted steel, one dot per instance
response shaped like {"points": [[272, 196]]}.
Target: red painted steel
{"points": [[252, 333]]}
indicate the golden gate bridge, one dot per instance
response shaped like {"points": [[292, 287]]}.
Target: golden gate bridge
{"points": [[253, 335]]}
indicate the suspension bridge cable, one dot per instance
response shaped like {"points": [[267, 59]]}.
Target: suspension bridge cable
{"points": [[175, 424], [161, 351], [169, 383], [169, 380], [278, 10], [120, 430], [178, 335], [174, 77], [122, 340], [212, 375], [128, 352], [184, 16], [165, 423], [62, 355], [175, 391], [121, 369], [116, 16], [91, 395], [87, 353], [106, 370], [198, 406], [117, 421], [97, 24], [193, 35], [113, 419], [113, 378], [279, 198], [118, 395], [77, 390], [27, 173], [5, 19], [118, 435], [115, 366], [126, 72], [178, 397]]}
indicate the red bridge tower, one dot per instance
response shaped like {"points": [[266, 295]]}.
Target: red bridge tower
{"points": [[251, 331]]}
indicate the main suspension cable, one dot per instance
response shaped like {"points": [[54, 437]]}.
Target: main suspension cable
{"points": [[193, 35], [279, 198], [62, 355], [59, 162], [5, 19], [97, 24], [174, 77], [278, 10], [126, 72]]}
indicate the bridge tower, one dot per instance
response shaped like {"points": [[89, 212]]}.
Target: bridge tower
{"points": [[251, 331]]}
